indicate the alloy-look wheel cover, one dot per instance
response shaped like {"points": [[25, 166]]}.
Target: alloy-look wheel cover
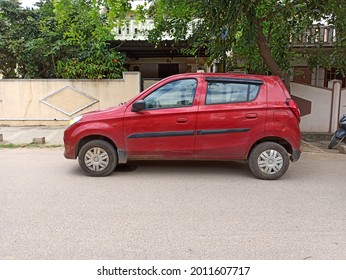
{"points": [[96, 159], [270, 161]]}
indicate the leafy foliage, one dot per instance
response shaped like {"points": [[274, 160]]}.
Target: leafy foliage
{"points": [[85, 28], [16, 26], [68, 38], [255, 35], [59, 39]]}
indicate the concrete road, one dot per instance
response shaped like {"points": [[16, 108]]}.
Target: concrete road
{"points": [[162, 210]]}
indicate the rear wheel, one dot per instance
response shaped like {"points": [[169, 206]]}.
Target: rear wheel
{"points": [[268, 161], [97, 158]]}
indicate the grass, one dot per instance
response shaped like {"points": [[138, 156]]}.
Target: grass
{"points": [[30, 145]]}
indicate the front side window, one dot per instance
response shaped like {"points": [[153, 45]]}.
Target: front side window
{"points": [[228, 92], [172, 95]]}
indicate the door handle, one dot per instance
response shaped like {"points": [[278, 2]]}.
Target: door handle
{"points": [[181, 120], [251, 116]]}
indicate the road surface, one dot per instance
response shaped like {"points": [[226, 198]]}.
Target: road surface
{"points": [[170, 210]]}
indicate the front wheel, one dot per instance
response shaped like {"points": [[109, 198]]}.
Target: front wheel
{"points": [[268, 161], [97, 158], [335, 140]]}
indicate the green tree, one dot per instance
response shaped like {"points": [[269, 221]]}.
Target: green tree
{"points": [[16, 26], [256, 32], [59, 39], [86, 30], [44, 47]]}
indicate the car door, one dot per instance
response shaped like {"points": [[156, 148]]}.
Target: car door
{"points": [[165, 129], [231, 115]]}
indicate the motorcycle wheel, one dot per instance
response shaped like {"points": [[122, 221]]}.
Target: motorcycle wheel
{"points": [[335, 140]]}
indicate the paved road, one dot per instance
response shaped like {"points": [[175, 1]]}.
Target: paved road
{"points": [[158, 210]]}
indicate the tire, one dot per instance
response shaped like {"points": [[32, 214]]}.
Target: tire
{"points": [[268, 161], [335, 140], [97, 158]]}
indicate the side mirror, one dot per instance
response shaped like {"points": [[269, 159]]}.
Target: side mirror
{"points": [[138, 106]]}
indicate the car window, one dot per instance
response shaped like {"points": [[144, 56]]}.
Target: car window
{"points": [[227, 92], [172, 95]]}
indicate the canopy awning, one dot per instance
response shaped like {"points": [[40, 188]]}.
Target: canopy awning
{"points": [[143, 49]]}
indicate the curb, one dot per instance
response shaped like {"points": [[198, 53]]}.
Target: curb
{"points": [[32, 135]]}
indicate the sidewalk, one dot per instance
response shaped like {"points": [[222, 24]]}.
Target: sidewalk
{"points": [[317, 147], [26, 135]]}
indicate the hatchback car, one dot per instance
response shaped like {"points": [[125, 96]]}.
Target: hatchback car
{"points": [[196, 116]]}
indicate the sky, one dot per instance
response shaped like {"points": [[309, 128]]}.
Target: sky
{"points": [[28, 3]]}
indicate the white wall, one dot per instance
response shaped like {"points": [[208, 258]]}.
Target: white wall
{"points": [[321, 102], [54, 102]]}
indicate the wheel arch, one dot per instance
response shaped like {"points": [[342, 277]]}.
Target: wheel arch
{"points": [[89, 138], [283, 142]]}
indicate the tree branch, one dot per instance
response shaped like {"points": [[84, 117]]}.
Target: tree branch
{"points": [[266, 54]]}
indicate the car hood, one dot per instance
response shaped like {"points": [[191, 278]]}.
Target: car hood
{"points": [[112, 112]]}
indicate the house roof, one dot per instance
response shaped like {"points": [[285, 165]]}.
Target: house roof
{"points": [[144, 49]]}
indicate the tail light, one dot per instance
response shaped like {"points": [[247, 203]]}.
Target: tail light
{"points": [[294, 108]]}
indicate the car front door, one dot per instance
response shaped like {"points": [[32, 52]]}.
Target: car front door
{"points": [[165, 128], [232, 113]]}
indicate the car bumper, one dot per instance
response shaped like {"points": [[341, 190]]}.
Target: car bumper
{"points": [[69, 152], [295, 155]]}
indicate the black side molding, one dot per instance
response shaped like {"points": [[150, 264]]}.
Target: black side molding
{"points": [[221, 131], [162, 134]]}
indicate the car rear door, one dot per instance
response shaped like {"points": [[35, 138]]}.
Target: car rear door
{"points": [[231, 115]]}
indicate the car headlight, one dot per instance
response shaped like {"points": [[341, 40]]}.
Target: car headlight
{"points": [[74, 120]]}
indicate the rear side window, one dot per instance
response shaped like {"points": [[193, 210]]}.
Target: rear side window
{"points": [[219, 92]]}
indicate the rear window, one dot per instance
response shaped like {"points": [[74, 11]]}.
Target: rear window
{"points": [[219, 92]]}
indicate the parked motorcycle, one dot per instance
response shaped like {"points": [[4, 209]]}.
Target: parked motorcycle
{"points": [[340, 134]]}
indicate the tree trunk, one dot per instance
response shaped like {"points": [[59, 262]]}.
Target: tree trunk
{"points": [[266, 54]]}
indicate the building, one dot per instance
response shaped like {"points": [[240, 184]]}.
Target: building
{"points": [[324, 36], [154, 61]]}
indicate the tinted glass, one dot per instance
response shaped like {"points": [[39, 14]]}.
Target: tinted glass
{"points": [[172, 95], [225, 92]]}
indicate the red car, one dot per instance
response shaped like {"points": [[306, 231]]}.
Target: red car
{"points": [[193, 117]]}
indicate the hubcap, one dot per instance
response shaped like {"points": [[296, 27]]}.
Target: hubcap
{"points": [[96, 159], [270, 161]]}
